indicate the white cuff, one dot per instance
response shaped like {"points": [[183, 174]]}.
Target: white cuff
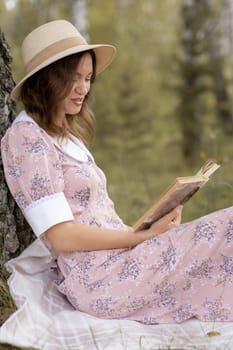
{"points": [[47, 212]]}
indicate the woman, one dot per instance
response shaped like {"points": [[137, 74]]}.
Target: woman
{"points": [[166, 274]]}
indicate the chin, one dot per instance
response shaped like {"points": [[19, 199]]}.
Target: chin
{"points": [[77, 110], [74, 112]]}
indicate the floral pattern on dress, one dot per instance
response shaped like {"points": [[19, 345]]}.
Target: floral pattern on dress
{"points": [[130, 270], [83, 196], [103, 306], [21, 199], [226, 269], [183, 313], [229, 233], [82, 171], [215, 311], [35, 146], [114, 222], [164, 293], [39, 186], [111, 260], [169, 256], [85, 264], [100, 196], [15, 170], [94, 222], [135, 303], [201, 269], [204, 231]]}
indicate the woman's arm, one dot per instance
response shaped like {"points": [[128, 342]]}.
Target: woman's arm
{"points": [[69, 236]]}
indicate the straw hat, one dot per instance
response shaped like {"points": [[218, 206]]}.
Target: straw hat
{"points": [[53, 41]]}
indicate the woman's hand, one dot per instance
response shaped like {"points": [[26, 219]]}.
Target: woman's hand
{"points": [[167, 222]]}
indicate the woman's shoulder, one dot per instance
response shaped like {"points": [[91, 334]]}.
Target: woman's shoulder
{"points": [[23, 120], [25, 136], [23, 126], [23, 117]]}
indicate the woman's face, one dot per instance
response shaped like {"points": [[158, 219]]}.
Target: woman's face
{"points": [[72, 104]]}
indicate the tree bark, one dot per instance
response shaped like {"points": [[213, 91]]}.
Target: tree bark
{"points": [[221, 45], [197, 22], [77, 10], [15, 233]]}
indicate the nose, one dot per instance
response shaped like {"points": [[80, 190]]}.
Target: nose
{"points": [[81, 87]]}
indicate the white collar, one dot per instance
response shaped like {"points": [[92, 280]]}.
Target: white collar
{"points": [[73, 148]]}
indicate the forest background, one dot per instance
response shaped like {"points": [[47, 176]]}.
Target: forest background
{"points": [[165, 105]]}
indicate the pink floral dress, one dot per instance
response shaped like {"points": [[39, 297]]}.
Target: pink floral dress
{"points": [[186, 272]]}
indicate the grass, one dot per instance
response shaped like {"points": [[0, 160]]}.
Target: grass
{"points": [[7, 306], [8, 347]]}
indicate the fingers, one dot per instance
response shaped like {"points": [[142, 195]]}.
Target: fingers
{"points": [[179, 209], [176, 216], [174, 213], [167, 222]]}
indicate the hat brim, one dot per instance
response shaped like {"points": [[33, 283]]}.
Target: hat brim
{"points": [[104, 56]]}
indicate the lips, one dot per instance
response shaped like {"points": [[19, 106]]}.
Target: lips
{"points": [[77, 101]]}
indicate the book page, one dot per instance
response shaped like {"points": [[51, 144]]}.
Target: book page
{"points": [[209, 167]]}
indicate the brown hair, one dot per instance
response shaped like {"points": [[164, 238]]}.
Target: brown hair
{"points": [[42, 93]]}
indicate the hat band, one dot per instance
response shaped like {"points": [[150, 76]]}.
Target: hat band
{"points": [[52, 50]]}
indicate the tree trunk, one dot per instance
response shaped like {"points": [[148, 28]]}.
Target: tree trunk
{"points": [[15, 233], [78, 14], [197, 19], [221, 45]]}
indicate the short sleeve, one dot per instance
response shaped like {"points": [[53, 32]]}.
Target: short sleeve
{"points": [[34, 176]]}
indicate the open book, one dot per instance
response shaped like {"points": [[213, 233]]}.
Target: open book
{"points": [[179, 192]]}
